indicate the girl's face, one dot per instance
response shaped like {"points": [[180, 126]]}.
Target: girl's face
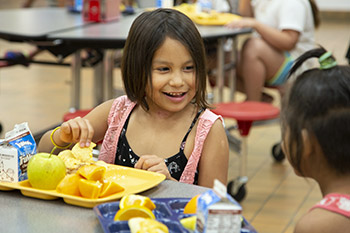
{"points": [[173, 78]]}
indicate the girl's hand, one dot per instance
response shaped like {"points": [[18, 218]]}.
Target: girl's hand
{"points": [[153, 163], [245, 22], [77, 130]]}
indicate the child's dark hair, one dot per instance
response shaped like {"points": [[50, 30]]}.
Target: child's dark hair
{"points": [[147, 34], [319, 101]]}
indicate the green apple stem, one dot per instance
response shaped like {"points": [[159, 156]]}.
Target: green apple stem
{"points": [[53, 150]]}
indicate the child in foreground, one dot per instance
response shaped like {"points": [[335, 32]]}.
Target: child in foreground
{"points": [[163, 124], [316, 132]]}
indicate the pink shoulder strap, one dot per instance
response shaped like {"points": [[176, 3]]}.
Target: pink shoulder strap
{"points": [[337, 203], [205, 122], [118, 114]]}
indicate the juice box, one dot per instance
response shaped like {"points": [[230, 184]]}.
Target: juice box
{"points": [[218, 212], [101, 10], [15, 151]]}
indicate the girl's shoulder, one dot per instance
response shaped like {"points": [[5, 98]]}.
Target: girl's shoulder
{"points": [[122, 100], [210, 123], [331, 209], [321, 220], [209, 115], [121, 105]]}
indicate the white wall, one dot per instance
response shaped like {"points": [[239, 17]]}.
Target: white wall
{"points": [[333, 5]]}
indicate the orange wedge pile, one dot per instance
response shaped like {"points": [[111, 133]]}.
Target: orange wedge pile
{"points": [[88, 182]]}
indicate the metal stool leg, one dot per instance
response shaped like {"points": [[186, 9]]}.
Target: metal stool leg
{"points": [[236, 188]]}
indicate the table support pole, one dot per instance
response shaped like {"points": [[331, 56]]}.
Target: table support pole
{"points": [[75, 85], [233, 70], [108, 76], [98, 83], [220, 68]]}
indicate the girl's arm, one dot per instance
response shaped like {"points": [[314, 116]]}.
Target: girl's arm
{"points": [[284, 40], [245, 8], [213, 163], [90, 128]]}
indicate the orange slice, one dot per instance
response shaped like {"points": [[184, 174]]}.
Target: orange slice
{"points": [[90, 188], [109, 188], [92, 172], [132, 199], [69, 185], [189, 223], [146, 225], [133, 211], [191, 206]]}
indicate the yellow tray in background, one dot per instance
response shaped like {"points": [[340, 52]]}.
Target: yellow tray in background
{"points": [[217, 19], [213, 18], [133, 180]]}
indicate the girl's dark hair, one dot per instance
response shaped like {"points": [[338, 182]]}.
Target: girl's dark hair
{"points": [[319, 101], [146, 35], [315, 13]]}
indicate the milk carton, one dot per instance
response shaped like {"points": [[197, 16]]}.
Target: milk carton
{"points": [[15, 151], [217, 212]]}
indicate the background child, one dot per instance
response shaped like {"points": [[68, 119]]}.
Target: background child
{"points": [[163, 123], [284, 30], [315, 131]]}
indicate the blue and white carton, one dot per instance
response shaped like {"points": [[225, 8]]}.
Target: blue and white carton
{"points": [[218, 212], [15, 151]]}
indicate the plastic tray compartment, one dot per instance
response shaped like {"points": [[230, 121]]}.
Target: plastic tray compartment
{"points": [[168, 211]]}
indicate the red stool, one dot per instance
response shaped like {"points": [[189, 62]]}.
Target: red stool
{"points": [[78, 113], [81, 113], [245, 113]]}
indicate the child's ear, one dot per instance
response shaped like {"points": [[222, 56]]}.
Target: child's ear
{"points": [[307, 142]]}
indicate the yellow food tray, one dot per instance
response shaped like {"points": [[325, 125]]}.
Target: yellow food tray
{"points": [[213, 18], [217, 19], [133, 180]]}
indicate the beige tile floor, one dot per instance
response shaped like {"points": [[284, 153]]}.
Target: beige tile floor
{"points": [[276, 197]]}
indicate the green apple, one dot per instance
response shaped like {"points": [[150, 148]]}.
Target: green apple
{"points": [[45, 171]]}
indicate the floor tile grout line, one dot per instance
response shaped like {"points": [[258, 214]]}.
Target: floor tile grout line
{"points": [[270, 196], [299, 207]]}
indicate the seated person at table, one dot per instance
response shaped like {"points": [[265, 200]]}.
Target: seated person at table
{"points": [[315, 132], [163, 124], [283, 30]]}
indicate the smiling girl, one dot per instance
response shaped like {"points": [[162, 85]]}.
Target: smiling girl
{"points": [[163, 124]]}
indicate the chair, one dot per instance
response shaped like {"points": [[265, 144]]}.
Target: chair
{"points": [[245, 113], [81, 113], [78, 113]]}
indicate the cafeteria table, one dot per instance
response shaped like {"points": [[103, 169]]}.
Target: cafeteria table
{"points": [[24, 214], [32, 25], [63, 33]]}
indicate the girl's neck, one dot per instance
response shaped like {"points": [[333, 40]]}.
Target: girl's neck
{"points": [[160, 114], [335, 184]]}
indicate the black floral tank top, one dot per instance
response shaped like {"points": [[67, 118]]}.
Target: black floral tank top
{"points": [[176, 163]]}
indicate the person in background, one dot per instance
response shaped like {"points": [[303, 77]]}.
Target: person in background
{"points": [[283, 30], [163, 124], [315, 131]]}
